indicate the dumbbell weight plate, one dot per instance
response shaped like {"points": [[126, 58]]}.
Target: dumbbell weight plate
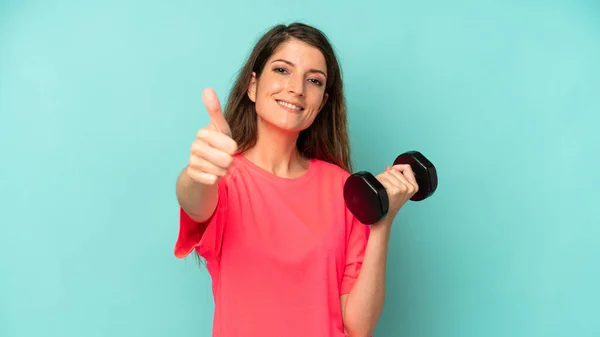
{"points": [[424, 171], [366, 197]]}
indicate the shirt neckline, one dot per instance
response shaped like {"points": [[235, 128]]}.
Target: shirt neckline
{"points": [[275, 178]]}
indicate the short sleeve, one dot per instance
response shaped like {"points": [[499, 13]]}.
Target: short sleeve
{"points": [[357, 237], [205, 237]]}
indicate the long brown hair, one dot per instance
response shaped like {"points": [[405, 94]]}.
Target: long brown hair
{"points": [[327, 138]]}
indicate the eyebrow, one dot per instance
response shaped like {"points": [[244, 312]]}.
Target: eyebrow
{"points": [[310, 70]]}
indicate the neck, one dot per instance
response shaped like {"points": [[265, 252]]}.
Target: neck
{"points": [[275, 151]]}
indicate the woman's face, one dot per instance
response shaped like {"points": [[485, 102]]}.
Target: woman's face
{"points": [[291, 89]]}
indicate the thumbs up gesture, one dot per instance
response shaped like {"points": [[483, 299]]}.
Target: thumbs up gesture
{"points": [[213, 149]]}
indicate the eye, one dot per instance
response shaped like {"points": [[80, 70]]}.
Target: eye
{"points": [[315, 81], [279, 70]]}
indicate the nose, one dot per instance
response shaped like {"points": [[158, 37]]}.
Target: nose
{"points": [[296, 85]]}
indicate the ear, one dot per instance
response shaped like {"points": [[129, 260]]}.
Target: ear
{"points": [[252, 88], [325, 97]]}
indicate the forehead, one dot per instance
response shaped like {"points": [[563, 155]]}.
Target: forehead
{"points": [[301, 54]]}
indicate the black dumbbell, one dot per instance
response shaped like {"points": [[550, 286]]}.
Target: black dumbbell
{"points": [[366, 197]]}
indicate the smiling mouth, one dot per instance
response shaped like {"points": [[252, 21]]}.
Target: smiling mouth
{"points": [[290, 106]]}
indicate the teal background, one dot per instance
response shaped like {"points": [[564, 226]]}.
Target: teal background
{"points": [[99, 102]]}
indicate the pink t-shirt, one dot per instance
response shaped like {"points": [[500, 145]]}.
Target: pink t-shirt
{"points": [[280, 251]]}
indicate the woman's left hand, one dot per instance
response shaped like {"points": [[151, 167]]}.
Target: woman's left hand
{"points": [[400, 183]]}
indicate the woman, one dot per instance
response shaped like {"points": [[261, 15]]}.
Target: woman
{"points": [[261, 199]]}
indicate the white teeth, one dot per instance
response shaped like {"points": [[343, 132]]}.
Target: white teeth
{"points": [[291, 106]]}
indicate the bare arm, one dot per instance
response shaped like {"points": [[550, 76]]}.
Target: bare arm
{"points": [[197, 200], [210, 157], [363, 306]]}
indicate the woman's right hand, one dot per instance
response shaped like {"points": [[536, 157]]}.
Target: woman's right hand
{"points": [[212, 151]]}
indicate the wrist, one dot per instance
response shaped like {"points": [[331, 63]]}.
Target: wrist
{"points": [[385, 222], [382, 228]]}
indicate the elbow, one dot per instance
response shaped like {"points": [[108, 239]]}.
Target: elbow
{"points": [[358, 333], [358, 329], [358, 323], [360, 319]]}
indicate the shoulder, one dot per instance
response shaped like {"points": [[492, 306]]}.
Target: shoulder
{"points": [[329, 170]]}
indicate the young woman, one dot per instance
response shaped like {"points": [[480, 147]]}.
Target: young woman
{"points": [[262, 199]]}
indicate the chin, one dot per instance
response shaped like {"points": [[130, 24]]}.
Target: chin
{"points": [[284, 123], [286, 126]]}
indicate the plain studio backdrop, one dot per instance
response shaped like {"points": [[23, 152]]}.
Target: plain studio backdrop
{"points": [[99, 103]]}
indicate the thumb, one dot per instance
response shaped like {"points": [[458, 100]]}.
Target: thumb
{"points": [[211, 102]]}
